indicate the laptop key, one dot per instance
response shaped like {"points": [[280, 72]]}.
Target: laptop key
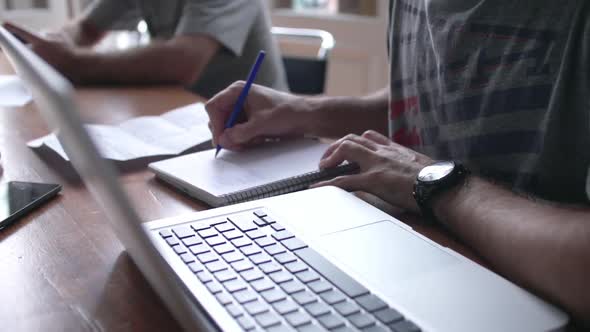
{"points": [[343, 281], [251, 275], [270, 267], [234, 310], [235, 285], [273, 295], [205, 277], [200, 225], [388, 315], [214, 287], [319, 286], [298, 318], [196, 267], [282, 235], [317, 309], [223, 248], [246, 323], [333, 296], [172, 241], [361, 320], [370, 302], [224, 298], [275, 249], [277, 227], [267, 319], [376, 328], [165, 233], [294, 244], [260, 223], [199, 249], [215, 240], [255, 234], [233, 256], [191, 241], [304, 297], [243, 222], [307, 276], [292, 286], [331, 321], [262, 285], [347, 308], [249, 249], [242, 265], [260, 213], [244, 296], [404, 326], [256, 307], [295, 267], [285, 258], [285, 306], [225, 275], [260, 258], [264, 241], [187, 258], [224, 227], [183, 231], [232, 234], [207, 257], [281, 276], [206, 233]]}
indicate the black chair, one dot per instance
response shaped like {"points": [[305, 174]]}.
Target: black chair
{"points": [[307, 75]]}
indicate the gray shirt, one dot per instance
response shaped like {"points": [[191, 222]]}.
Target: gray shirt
{"points": [[242, 27], [502, 85]]}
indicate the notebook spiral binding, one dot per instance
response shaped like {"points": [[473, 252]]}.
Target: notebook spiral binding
{"points": [[289, 185]]}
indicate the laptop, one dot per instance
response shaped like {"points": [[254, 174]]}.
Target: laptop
{"points": [[318, 259]]}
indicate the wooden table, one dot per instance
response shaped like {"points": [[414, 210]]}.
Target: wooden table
{"points": [[62, 267]]}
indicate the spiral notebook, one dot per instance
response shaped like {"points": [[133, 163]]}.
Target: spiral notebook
{"points": [[233, 177]]}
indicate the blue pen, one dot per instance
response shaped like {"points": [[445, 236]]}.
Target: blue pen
{"points": [[242, 98]]}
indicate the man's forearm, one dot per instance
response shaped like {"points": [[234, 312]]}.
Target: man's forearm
{"points": [[338, 116], [539, 245], [160, 62]]}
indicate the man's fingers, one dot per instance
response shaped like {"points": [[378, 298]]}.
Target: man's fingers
{"points": [[243, 133], [376, 137], [23, 34], [219, 108], [351, 137], [346, 150]]}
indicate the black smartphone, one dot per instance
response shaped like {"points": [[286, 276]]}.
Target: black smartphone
{"points": [[19, 198]]}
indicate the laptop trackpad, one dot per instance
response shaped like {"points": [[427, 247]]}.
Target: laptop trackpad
{"points": [[385, 254]]}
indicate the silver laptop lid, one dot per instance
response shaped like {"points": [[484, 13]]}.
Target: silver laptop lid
{"points": [[53, 95]]}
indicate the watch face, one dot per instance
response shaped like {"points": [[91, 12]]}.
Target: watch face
{"points": [[436, 171]]}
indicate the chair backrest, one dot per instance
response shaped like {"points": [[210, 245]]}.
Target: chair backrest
{"points": [[307, 75]]}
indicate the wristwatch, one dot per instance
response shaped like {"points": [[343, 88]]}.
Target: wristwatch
{"points": [[433, 180]]}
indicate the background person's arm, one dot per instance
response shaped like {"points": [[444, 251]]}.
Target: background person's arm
{"points": [[178, 60]]}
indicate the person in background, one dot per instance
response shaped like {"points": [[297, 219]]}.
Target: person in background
{"points": [[498, 87], [202, 44]]}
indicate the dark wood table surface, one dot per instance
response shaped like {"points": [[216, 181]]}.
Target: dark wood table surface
{"points": [[62, 267]]}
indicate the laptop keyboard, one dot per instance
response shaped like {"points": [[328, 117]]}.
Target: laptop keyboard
{"points": [[266, 278]]}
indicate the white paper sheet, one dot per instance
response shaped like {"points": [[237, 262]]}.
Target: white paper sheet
{"points": [[149, 136], [13, 92]]}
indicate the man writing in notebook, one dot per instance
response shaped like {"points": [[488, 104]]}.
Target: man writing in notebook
{"points": [[505, 105], [203, 44]]}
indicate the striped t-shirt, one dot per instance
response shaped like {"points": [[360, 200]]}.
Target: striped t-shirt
{"points": [[503, 86]]}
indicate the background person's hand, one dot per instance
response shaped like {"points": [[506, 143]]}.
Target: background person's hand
{"points": [[387, 169], [268, 114], [58, 54]]}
